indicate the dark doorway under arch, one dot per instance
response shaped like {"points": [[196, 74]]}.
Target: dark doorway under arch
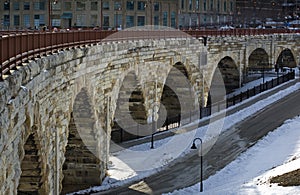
{"points": [[230, 74], [130, 103], [259, 60], [286, 59], [177, 97], [81, 168]]}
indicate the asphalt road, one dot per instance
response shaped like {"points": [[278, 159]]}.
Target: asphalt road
{"points": [[185, 172]]}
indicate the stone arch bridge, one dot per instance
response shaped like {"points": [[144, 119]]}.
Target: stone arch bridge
{"points": [[57, 111]]}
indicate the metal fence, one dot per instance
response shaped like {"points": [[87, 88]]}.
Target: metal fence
{"points": [[133, 132], [18, 47]]}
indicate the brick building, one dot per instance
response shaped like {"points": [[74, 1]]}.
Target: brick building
{"points": [[110, 14]]}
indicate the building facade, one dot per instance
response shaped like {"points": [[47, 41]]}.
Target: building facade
{"points": [[110, 14], [206, 13], [256, 12]]}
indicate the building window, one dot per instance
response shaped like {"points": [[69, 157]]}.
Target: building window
{"points": [[141, 20], [165, 19], [39, 5], [231, 6], [204, 5], [94, 5], [106, 5], [39, 20], [26, 5], [190, 5], [211, 5], [56, 6], [16, 6], [26, 18], [156, 20], [56, 21], [225, 6], [6, 6], [130, 5], [6, 20], [67, 6], [129, 21], [218, 5], [182, 4], [81, 20], [156, 6], [16, 20], [94, 19], [118, 20], [173, 19], [197, 5], [117, 6], [106, 22], [141, 5], [80, 6]]}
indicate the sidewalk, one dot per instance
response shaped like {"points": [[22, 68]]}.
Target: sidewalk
{"points": [[231, 110]]}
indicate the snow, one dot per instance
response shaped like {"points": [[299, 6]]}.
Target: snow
{"points": [[275, 154], [248, 174]]}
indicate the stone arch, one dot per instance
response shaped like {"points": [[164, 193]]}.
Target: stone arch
{"points": [[31, 167], [82, 167], [230, 73], [176, 94], [32, 160], [286, 59], [130, 103], [258, 59]]}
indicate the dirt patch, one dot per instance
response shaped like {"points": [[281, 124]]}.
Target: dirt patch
{"points": [[287, 179]]}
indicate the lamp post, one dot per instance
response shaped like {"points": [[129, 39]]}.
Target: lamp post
{"points": [[201, 161], [50, 12], [154, 118]]}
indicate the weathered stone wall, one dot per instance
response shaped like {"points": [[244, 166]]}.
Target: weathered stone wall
{"points": [[39, 97]]}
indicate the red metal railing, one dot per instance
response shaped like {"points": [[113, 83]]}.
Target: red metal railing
{"points": [[18, 46]]}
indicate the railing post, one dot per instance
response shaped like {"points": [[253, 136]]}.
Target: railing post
{"points": [[241, 96], [167, 123], [137, 130], [201, 112], [121, 135]]}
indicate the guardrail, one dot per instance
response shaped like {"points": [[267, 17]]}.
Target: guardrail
{"points": [[17, 47]]}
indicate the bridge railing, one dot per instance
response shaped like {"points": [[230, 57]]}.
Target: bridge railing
{"points": [[17, 47], [239, 32], [172, 122]]}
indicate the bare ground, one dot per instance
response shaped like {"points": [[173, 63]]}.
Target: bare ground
{"points": [[288, 179]]}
